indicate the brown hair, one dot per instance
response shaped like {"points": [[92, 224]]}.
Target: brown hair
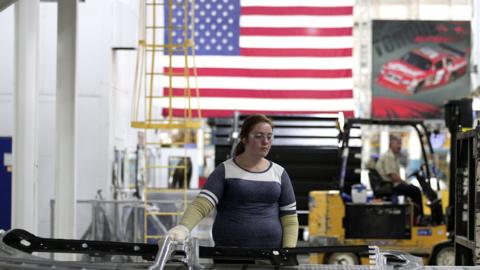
{"points": [[247, 126]]}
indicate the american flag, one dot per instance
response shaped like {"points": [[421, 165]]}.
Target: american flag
{"points": [[268, 56]]}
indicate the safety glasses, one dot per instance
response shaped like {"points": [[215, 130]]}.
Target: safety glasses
{"points": [[261, 136]]}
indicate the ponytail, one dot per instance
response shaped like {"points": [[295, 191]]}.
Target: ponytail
{"points": [[239, 148]]}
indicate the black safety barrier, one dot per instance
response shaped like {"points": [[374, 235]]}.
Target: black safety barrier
{"points": [[24, 241]]}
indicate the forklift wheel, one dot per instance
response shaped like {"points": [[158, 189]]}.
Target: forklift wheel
{"points": [[445, 256], [343, 259]]}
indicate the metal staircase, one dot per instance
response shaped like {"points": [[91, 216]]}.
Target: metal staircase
{"points": [[153, 107]]}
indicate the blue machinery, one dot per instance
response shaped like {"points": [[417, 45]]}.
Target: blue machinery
{"points": [[5, 182]]}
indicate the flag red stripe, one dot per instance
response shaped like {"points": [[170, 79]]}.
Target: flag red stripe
{"points": [[241, 93], [229, 113], [295, 31], [296, 52], [268, 73], [281, 11]]}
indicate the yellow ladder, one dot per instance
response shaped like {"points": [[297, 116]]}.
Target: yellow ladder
{"points": [[154, 73]]}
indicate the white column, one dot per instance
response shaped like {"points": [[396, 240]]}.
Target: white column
{"points": [[25, 144], [65, 176]]}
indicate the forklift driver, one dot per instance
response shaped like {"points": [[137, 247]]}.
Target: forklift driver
{"points": [[388, 166]]}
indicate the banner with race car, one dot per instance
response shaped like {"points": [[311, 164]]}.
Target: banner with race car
{"points": [[417, 66]]}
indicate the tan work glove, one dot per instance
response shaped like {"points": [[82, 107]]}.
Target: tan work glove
{"points": [[179, 233]]}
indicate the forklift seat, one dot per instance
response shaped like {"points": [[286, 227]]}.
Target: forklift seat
{"points": [[381, 189]]}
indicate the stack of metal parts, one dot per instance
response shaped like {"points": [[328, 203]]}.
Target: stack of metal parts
{"points": [[17, 248]]}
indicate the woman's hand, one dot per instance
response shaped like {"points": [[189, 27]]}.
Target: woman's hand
{"points": [[179, 233]]}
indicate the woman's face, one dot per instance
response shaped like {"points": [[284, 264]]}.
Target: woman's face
{"points": [[259, 140]]}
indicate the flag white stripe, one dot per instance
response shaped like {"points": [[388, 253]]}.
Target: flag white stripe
{"points": [[283, 104], [264, 62], [296, 42], [296, 21], [297, 3], [266, 83]]}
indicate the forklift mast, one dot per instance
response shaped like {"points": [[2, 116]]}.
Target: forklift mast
{"points": [[458, 115], [418, 125]]}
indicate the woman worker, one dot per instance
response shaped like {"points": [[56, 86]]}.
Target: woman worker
{"points": [[253, 196]]}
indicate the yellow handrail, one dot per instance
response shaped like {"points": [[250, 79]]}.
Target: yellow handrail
{"points": [[153, 92]]}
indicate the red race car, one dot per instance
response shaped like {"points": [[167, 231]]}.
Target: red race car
{"points": [[423, 68]]}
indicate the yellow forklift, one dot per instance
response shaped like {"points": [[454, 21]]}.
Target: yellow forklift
{"points": [[335, 220]]}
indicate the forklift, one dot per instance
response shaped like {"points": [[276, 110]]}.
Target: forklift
{"points": [[334, 219]]}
